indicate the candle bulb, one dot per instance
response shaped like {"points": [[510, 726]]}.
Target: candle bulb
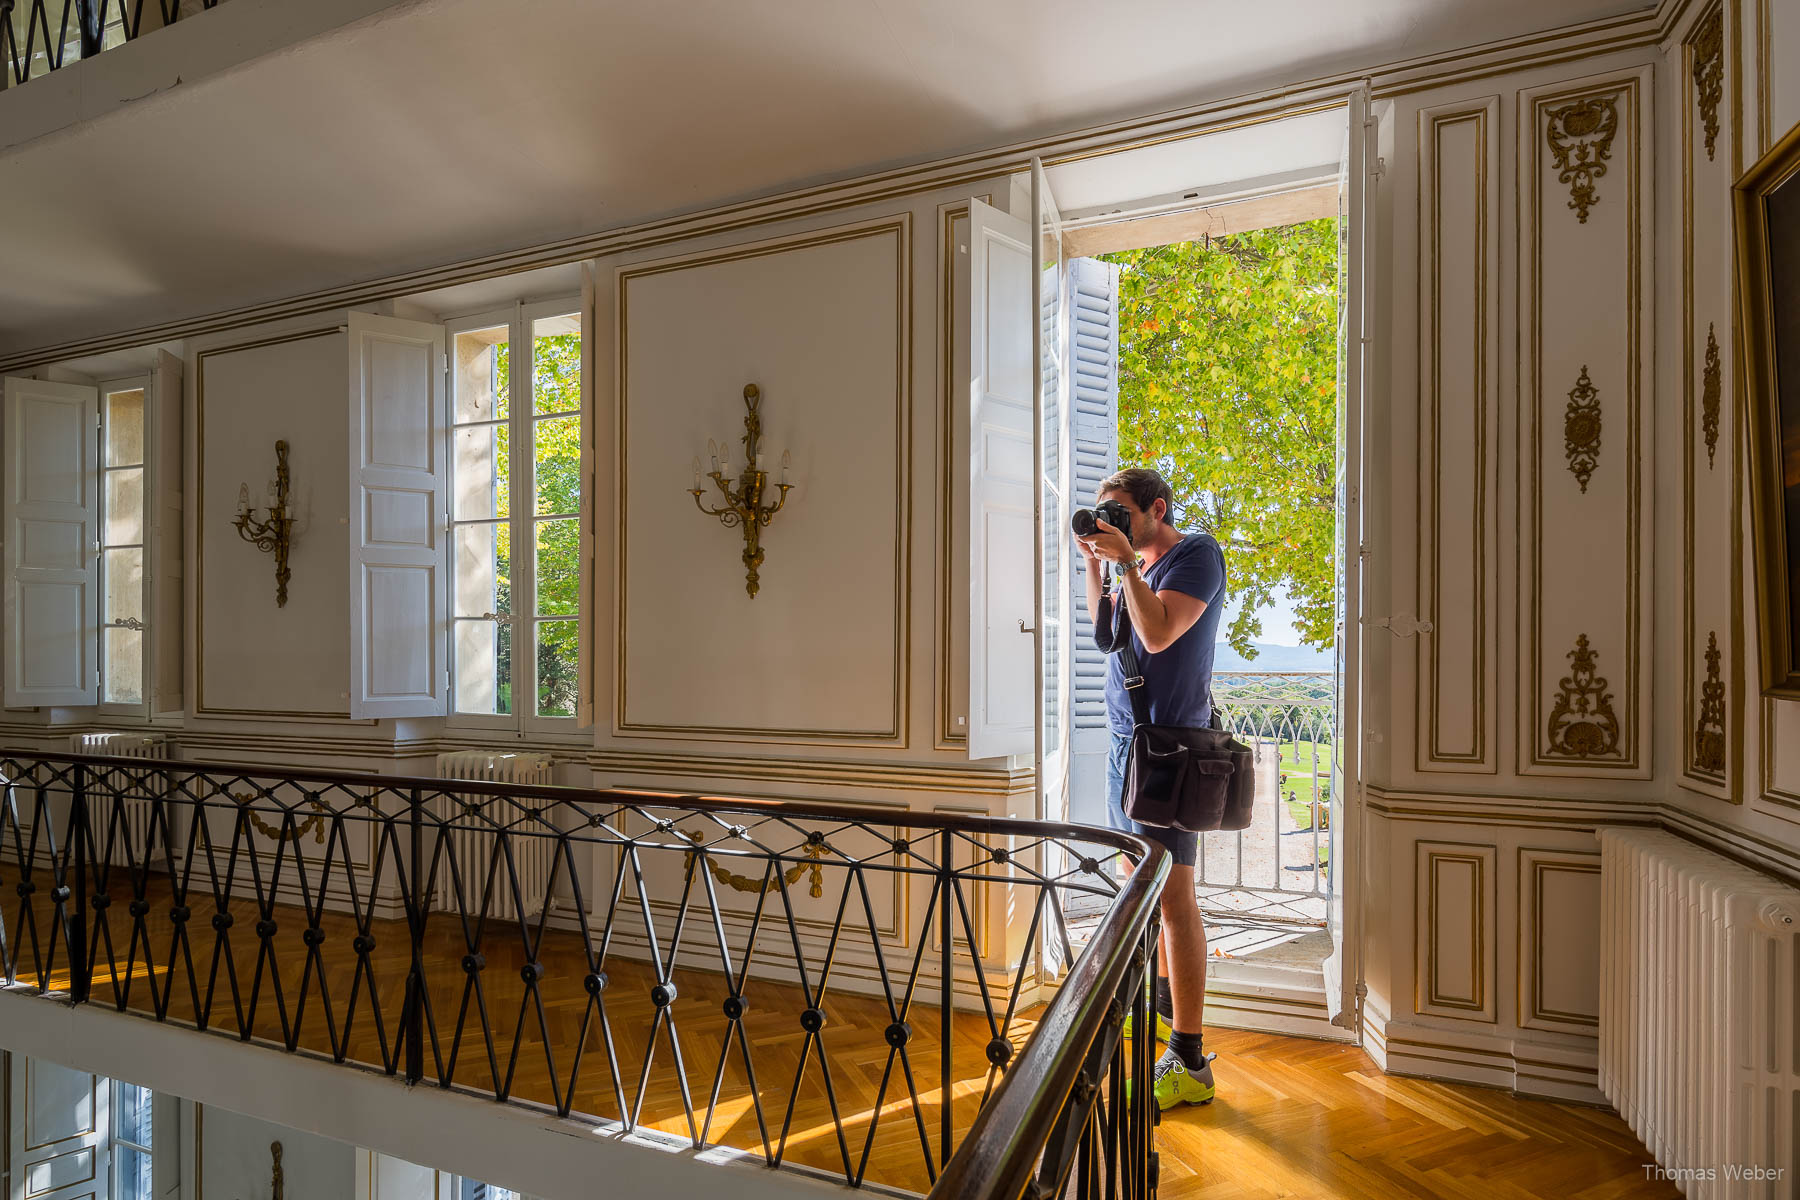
{"points": [[712, 452], [787, 457], [243, 499], [696, 472]]}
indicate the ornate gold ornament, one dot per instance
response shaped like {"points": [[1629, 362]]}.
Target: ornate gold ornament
{"points": [[276, 1181], [1709, 730], [313, 824], [1581, 137], [743, 883], [1581, 429], [744, 505], [275, 534], [1582, 723], [1709, 74], [1709, 397]]}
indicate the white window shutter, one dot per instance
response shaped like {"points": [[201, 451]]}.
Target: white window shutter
{"points": [[162, 504], [398, 489], [1094, 359], [52, 536], [1002, 485]]}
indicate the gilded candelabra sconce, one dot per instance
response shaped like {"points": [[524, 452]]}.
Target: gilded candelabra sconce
{"points": [[273, 534], [744, 505]]}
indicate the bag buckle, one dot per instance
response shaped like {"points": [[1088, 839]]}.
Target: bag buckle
{"points": [[1136, 681]]}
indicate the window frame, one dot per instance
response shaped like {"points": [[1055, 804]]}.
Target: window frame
{"points": [[140, 711], [116, 1141], [522, 519]]}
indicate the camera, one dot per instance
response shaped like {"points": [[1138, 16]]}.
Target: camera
{"points": [[1084, 520]]}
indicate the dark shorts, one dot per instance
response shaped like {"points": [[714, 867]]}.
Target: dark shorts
{"points": [[1183, 845]]}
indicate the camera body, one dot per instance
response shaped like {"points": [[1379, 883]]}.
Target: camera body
{"points": [[1084, 521]]}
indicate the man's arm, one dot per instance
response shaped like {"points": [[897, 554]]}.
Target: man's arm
{"points": [[1160, 617]]}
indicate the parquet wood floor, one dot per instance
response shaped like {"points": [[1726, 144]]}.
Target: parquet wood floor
{"points": [[1295, 1118]]}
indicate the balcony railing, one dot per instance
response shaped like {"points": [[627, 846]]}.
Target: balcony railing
{"points": [[1278, 871], [40, 36], [889, 997]]}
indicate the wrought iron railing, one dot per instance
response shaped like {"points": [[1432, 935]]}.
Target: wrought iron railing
{"points": [[40, 36], [891, 997], [1279, 869]]}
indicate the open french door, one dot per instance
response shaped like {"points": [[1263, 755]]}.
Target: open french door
{"points": [[1003, 699], [1343, 967], [1055, 650]]}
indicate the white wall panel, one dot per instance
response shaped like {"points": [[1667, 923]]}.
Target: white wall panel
{"points": [[253, 658], [1455, 711], [1585, 430], [821, 324]]}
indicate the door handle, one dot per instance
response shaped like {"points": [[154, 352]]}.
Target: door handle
{"points": [[1023, 628]]}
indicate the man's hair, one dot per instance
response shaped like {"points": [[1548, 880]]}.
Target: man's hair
{"points": [[1144, 486]]}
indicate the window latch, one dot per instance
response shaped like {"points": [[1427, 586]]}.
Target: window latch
{"points": [[497, 618]]}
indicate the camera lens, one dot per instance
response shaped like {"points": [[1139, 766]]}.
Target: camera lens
{"points": [[1083, 523]]}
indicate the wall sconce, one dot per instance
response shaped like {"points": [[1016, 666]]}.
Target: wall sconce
{"points": [[273, 534], [744, 504]]}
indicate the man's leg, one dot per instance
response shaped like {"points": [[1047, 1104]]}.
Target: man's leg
{"points": [[1184, 949], [1183, 1074]]}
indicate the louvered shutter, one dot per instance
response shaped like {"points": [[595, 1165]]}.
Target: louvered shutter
{"points": [[1094, 359]]}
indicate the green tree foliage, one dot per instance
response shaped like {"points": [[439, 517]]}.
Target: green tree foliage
{"points": [[556, 454], [1228, 387]]}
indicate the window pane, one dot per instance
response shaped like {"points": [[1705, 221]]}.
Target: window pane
{"points": [[556, 364], [134, 1174], [134, 1114], [124, 666], [483, 667], [482, 381], [558, 478], [125, 507], [558, 567], [558, 670], [125, 428], [481, 476], [483, 569], [124, 585]]}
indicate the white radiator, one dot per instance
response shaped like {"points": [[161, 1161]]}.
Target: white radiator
{"points": [[473, 849], [1697, 1012], [134, 825]]}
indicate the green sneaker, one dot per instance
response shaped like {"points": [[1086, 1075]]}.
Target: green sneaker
{"points": [[1175, 1084], [1162, 1027]]}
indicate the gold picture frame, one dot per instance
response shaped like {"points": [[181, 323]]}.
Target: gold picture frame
{"points": [[1766, 207]]}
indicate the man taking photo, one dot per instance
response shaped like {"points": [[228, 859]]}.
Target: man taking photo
{"points": [[1174, 598]]}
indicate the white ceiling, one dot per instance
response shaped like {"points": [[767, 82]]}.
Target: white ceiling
{"points": [[452, 128]]}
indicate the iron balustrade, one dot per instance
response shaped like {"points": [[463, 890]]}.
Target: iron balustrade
{"points": [[773, 976], [37, 36], [1278, 871]]}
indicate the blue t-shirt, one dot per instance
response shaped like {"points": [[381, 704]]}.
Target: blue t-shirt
{"points": [[1178, 681]]}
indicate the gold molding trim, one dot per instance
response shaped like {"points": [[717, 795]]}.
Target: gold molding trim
{"points": [[1710, 392], [899, 226], [1581, 429], [1580, 135], [1708, 70], [1427, 1001], [1582, 722], [1482, 118], [1534, 863], [1709, 728]]}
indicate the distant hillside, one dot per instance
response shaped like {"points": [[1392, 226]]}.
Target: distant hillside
{"points": [[1272, 658]]}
